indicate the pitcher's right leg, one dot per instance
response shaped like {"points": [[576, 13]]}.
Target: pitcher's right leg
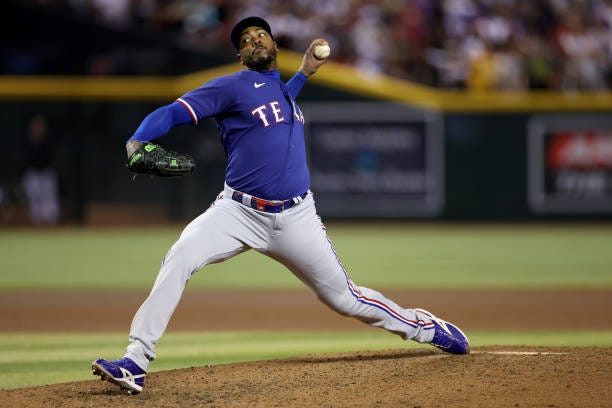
{"points": [[216, 235]]}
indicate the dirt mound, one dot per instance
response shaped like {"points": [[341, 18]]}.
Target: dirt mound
{"points": [[490, 376]]}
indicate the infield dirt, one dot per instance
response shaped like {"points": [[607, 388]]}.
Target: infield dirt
{"points": [[489, 376]]}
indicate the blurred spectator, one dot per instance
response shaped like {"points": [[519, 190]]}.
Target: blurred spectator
{"points": [[451, 65], [540, 63], [582, 51], [369, 37], [603, 12], [484, 44], [509, 68], [115, 13], [482, 74], [40, 180]]}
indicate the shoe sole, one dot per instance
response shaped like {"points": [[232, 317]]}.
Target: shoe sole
{"points": [[106, 376]]}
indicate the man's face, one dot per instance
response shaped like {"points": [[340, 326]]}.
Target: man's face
{"points": [[257, 49]]}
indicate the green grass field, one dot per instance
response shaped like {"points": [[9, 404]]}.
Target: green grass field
{"points": [[398, 256], [404, 255]]}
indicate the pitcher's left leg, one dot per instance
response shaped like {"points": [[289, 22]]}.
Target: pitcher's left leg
{"points": [[303, 246]]}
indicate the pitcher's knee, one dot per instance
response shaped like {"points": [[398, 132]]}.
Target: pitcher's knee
{"points": [[180, 257], [343, 305]]}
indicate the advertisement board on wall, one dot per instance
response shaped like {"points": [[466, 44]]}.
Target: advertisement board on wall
{"points": [[570, 164], [374, 160]]}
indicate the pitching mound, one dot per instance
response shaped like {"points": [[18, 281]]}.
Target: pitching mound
{"points": [[424, 377], [491, 376]]}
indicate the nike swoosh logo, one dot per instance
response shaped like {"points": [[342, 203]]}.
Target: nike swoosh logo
{"points": [[256, 85]]}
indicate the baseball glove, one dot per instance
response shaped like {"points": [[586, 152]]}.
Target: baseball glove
{"points": [[155, 160]]}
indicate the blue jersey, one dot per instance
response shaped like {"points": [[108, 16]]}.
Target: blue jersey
{"points": [[262, 131]]}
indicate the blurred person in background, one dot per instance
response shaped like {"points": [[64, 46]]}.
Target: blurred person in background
{"points": [[533, 44], [370, 39], [603, 12], [450, 65], [582, 51], [115, 13], [482, 73], [540, 62], [40, 179]]}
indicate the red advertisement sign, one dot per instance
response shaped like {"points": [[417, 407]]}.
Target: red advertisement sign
{"points": [[579, 163], [579, 150], [570, 164]]}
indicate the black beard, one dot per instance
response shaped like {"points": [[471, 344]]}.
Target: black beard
{"points": [[260, 64]]}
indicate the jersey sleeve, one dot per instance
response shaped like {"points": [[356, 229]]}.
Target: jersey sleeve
{"points": [[296, 83], [214, 97], [160, 121]]}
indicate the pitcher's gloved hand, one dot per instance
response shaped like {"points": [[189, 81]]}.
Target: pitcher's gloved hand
{"points": [[153, 159]]}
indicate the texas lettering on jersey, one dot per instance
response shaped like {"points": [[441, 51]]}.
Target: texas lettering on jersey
{"points": [[253, 110], [277, 115]]}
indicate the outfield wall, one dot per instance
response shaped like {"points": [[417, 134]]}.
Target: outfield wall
{"points": [[381, 149]]}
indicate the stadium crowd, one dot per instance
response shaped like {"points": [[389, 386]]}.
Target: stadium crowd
{"points": [[474, 44]]}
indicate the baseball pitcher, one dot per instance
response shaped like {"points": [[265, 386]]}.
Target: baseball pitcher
{"points": [[265, 203]]}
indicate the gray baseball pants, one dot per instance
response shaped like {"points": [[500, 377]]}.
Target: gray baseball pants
{"points": [[296, 238]]}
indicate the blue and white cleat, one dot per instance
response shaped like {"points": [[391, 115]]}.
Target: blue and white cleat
{"points": [[447, 337], [123, 372]]}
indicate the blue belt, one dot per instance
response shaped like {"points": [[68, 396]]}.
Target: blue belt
{"points": [[267, 206]]}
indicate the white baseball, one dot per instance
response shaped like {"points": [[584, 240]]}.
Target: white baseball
{"points": [[322, 51]]}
